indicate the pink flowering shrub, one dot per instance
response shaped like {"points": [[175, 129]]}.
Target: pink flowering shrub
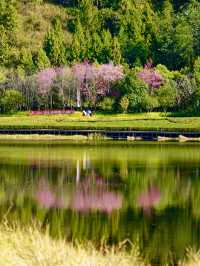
{"points": [[152, 78]]}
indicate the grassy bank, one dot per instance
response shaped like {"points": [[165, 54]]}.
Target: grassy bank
{"points": [[31, 247], [39, 137], [145, 121]]}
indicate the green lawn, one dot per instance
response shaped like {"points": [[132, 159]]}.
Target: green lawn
{"points": [[145, 121]]}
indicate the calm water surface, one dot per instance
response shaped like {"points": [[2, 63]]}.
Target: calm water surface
{"points": [[148, 193]]}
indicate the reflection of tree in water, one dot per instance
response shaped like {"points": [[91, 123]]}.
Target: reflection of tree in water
{"points": [[93, 193], [47, 197], [44, 195], [148, 199]]}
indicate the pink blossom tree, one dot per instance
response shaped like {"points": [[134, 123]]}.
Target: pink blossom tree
{"points": [[85, 75], [65, 82], [61, 78], [95, 81], [84, 80], [152, 78], [107, 75], [45, 80]]}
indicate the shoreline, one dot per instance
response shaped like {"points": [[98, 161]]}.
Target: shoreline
{"points": [[131, 127], [86, 135]]}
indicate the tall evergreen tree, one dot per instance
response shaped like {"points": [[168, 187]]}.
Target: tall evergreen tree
{"points": [[78, 49], [163, 48], [192, 16], [54, 44], [4, 47], [184, 44], [26, 61], [116, 56], [41, 60], [106, 51], [8, 14]]}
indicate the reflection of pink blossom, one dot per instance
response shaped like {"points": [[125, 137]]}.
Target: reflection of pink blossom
{"points": [[96, 196], [105, 201], [91, 194], [149, 199], [59, 203], [45, 197]]}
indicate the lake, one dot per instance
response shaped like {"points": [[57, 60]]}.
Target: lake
{"points": [[148, 193]]}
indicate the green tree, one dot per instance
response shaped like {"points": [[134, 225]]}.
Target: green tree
{"points": [[41, 60], [124, 103], [192, 16], [166, 95], [137, 31], [106, 51], [79, 45], [195, 101], [56, 98], [150, 102], [96, 46], [184, 44], [8, 27], [197, 70], [163, 46], [110, 20], [11, 101], [8, 15], [54, 44], [4, 47], [88, 14], [135, 90], [116, 56], [26, 61], [107, 104], [3, 73]]}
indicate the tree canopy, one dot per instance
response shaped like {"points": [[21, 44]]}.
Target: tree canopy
{"points": [[121, 31]]}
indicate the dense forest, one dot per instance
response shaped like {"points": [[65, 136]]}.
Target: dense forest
{"points": [[113, 55]]}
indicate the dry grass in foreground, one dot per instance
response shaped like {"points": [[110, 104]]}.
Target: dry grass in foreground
{"points": [[30, 247], [21, 247], [193, 259]]}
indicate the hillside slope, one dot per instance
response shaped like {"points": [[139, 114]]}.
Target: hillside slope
{"points": [[36, 20], [123, 31]]}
